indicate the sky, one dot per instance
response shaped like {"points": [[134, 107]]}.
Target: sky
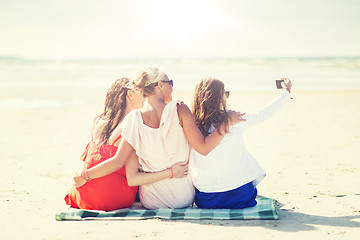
{"points": [[115, 29]]}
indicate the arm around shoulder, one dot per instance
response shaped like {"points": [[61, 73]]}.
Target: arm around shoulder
{"points": [[203, 145]]}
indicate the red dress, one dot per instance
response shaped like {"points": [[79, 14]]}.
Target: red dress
{"points": [[105, 193]]}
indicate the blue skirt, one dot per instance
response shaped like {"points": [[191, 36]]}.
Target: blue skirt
{"points": [[240, 197]]}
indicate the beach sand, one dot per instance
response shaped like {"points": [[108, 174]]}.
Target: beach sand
{"points": [[309, 149]]}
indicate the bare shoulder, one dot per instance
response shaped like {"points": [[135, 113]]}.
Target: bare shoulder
{"points": [[115, 135], [99, 125]]}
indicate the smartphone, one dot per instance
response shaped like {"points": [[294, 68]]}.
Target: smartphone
{"points": [[278, 84]]}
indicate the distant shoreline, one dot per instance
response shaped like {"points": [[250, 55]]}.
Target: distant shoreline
{"points": [[300, 58]]}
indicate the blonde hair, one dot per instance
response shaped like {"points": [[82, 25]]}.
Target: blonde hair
{"points": [[145, 81]]}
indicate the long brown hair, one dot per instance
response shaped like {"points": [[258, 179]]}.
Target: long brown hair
{"points": [[208, 105], [114, 110]]}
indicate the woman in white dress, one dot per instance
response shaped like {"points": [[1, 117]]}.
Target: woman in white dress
{"points": [[161, 135], [228, 175]]}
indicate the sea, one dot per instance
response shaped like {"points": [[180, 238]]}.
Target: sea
{"points": [[236, 73], [320, 73]]}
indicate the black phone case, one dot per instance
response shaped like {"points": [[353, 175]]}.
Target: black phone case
{"points": [[278, 83]]}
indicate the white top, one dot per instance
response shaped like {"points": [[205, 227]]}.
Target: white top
{"points": [[230, 165], [158, 149]]}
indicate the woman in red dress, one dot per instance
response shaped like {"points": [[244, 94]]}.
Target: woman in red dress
{"points": [[111, 191]]}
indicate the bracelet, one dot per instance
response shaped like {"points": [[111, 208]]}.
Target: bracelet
{"points": [[172, 173], [85, 176]]}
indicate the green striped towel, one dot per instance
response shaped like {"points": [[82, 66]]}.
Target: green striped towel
{"points": [[265, 209]]}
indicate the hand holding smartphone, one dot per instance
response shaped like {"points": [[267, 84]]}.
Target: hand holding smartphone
{"points": [[278, 84]]}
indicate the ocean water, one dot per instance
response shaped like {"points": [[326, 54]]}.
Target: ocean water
{"points": [[247, 73], [18, 75]]}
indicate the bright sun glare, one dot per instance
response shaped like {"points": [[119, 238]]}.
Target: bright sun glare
{"points": [[180, 17], [186, 21]]}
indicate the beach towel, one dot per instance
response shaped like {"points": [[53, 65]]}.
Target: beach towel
{"points": [[265, 210]]}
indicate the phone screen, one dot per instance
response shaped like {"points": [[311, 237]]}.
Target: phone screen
{"points": [[278, 83]]}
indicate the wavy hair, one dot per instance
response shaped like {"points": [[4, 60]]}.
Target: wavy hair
{"points": [[209, 105], [114, 110]]}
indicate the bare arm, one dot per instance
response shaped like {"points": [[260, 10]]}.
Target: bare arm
{"points": [[110, 165], [136, 178], [203, 145]]}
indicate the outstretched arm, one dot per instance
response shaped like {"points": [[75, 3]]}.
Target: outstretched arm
{"points": [[203, 145], [110, 165], [261, 115]]}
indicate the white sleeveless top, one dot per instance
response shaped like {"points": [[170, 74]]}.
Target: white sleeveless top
{"points": [[158, 149]]}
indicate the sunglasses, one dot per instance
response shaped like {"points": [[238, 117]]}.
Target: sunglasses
{"points": [[171, 82], [129, 87], [227, 94]]}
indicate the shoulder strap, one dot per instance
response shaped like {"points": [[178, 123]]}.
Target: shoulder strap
{"points": [[116, 139]]}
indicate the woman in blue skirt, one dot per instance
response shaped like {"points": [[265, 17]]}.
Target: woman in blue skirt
{"points": [[228, 175]]}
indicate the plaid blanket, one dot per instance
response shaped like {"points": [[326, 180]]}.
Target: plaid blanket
{"points": [[265, 209]]}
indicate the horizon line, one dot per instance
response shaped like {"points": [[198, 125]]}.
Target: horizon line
{"points": [[18, 58]]}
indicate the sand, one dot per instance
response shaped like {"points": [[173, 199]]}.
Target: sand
{"points": [[309, 149]]}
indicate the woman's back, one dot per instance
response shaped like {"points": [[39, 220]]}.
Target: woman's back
{"points": [[106, 193], [227, 177], [227, 167], [99, 125], [237, 165], [158, 149]]}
